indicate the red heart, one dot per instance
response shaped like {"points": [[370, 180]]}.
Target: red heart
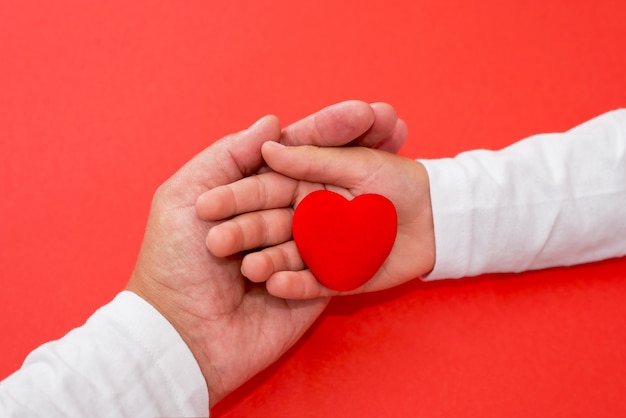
{"points": [[343, 242]]}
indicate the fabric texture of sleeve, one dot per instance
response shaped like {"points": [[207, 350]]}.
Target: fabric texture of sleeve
{"points": [[127, 360], [549, 200]]}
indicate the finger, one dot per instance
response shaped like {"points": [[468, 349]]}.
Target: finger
{"points": [[260, 265], [395, 139], [264, 191], [386, 129], [231, 157], [345, 167], [250, 231], [332, 126], [297, 285]]}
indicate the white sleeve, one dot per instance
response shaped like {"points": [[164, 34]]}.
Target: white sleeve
{"points": [[549, 200], [126, 361]]}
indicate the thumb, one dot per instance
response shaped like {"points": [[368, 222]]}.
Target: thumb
{"points": [[345, 167], [230, 158]]}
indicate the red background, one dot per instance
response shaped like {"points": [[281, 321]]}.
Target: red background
{"points": [[101, 101]]}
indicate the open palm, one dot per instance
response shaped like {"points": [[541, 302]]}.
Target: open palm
{"points": [[264, 205]]}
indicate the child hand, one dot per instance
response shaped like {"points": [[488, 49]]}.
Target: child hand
{"points": [[262, 207]]}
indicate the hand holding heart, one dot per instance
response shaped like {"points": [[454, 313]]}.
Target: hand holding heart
{"points": [[233, 329], [262, 207], [344, 243]]}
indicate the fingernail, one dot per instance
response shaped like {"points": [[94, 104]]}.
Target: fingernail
{"points": [[258, 122], [275, 145]]}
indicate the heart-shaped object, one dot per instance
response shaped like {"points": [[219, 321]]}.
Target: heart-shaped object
{"points": [[344, 242]]}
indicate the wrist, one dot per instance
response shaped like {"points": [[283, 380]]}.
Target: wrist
{"points": [[167, 357], [426, 237], [147, 290], [192, 330]]}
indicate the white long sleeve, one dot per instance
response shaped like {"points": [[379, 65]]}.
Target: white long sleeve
{"points": [[126, 361], [549, 200]]}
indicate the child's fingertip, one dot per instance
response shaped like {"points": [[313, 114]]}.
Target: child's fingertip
{"points": [[273, 145], [251, 269], [202, 207], [271, 149]]}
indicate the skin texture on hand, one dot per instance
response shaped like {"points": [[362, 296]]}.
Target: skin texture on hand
{"points": [[264, 205], [233, 327]]}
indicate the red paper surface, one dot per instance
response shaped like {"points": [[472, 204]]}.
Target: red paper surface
{"points": [[101, 101]]}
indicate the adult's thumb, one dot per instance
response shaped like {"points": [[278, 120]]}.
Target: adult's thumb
{"points": [[232, 157]]}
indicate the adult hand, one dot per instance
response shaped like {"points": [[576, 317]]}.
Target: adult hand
{"points": [[235, 328], [299, 171]]}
